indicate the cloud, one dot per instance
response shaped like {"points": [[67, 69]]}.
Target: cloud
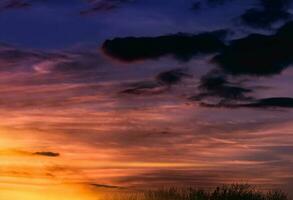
{"points": [[217, 91], [71, 66], [258, 54], [263, 18], [172, 77], [216, 85], [273, 102], [14, 4], [201, 178], [94, 6], [16, 152], [255, 54], [270, 12], [162, 82], [182, 46], [106, 186], [285, 102], [103, 5], [144, 87], [74, 62], [10, 55], [75, 65], [47, 153]]}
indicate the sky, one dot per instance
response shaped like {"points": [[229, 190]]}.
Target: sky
{"points": [[144, 94]]}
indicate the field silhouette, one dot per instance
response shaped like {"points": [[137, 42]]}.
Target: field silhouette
{"points": [[225, 192]]}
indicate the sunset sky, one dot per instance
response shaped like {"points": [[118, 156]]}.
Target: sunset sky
{"points": [[143, 94]]}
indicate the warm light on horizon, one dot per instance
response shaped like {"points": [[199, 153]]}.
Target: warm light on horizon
{"points": [[48, 192]]}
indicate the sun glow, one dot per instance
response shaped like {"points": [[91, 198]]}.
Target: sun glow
{"points": [[52, 192], [22, 176]]}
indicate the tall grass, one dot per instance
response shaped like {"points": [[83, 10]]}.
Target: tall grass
{"points": [[225, 192]]}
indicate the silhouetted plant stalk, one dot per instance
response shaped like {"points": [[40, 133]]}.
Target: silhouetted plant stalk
{"points": [[225, 192]]}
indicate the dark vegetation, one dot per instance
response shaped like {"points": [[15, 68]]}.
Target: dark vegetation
{"points": [[225, 192]]}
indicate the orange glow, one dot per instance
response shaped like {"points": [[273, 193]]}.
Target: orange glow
{"points": [[98, 140], [49, 192], [23, 176]]}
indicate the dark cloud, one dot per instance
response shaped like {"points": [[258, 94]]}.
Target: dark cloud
{"points": [[256, 54], [172, 77], [215, 84], [285, 102], [106, 186], [270, 11], [263, 18], [264, 15], [182, 46], [273, 102], [217, 91], [47, 153], [272, 4], [259, 54], [144, 87], [163, 81]]}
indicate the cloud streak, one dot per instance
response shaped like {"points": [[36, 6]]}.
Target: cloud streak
{"points": [[47, 153]]}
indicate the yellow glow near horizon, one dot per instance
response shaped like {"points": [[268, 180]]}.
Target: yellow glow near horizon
{"points": [[23, 176], [53, 192]]}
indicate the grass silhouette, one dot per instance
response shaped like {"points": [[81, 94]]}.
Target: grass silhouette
{"points": [[225, 192]]}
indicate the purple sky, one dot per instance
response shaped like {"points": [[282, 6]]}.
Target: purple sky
{"points": [[76, 109]]}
